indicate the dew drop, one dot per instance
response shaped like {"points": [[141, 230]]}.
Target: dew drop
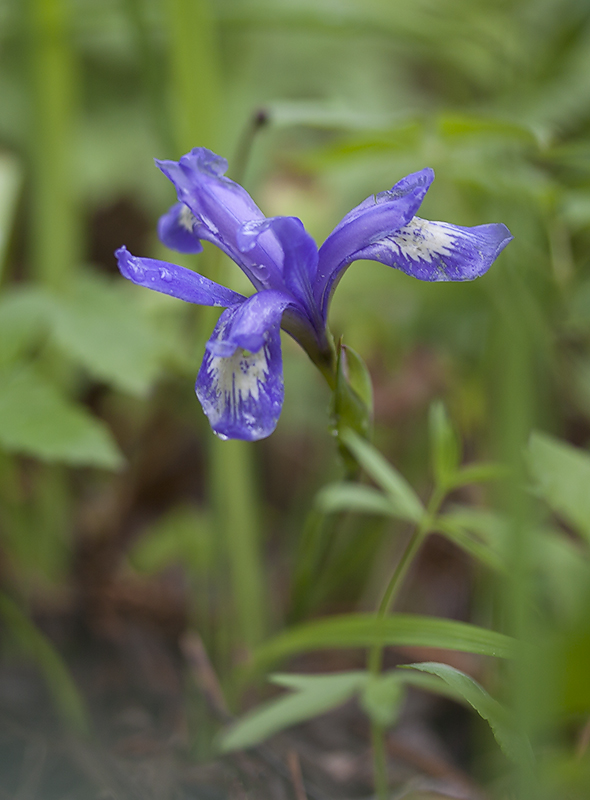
{"points": [[137, 270], [165, 275]]}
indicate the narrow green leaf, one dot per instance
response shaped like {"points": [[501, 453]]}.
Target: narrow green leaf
{"points": [[514, 744], [352, 400], [444, 446], [367, 630], [313, 695], [381, 698], [479, 473], [404, 499], [458, 533], [348, 496], [562, 475], [37, 420], [31, 641]]}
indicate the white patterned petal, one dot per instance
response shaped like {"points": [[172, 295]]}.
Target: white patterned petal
{"points": [[242, 394], [439, 251]]}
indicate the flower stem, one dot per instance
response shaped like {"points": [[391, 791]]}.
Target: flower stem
{"points": [[375, 657]]}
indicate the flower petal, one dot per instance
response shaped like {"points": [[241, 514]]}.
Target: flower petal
{"points": [[376, 217], [220, 206], [242, 394], [176, 229], [246, 328], [300, 254], [439, 251], [174, 280]]}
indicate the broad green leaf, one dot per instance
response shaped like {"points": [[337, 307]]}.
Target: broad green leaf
{"points": [[313, 695], [101, 325], [367, 630], [514, 744], [562, 475], [31, 641], [403, 497], [36, 419], [381, 698], [25, 313], [348, 496], [444, 446]]}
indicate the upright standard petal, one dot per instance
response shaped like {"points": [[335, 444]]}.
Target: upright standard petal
{"points": [[242, 394], [220, 206], [174, 280], [439, 251], [300, 255], [375, 218], [176, 229]]}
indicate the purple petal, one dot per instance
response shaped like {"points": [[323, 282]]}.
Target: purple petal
{"points": [[220, 206], [176, 229], [300, 255], [439, 251], [247, 326], [242, 394], [376, 217], [174, 280]]}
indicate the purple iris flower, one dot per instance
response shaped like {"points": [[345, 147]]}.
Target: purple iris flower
{"points": [[240, 382]]}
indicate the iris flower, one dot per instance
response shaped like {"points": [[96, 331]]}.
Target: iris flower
{"points": [[240, 382]]}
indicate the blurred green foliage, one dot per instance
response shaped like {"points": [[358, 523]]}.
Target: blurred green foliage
{"points": [[495, 96]]}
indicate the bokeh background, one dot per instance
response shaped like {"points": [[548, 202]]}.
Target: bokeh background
{"points": [[131, 539]]}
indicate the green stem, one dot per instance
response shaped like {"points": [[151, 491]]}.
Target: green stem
{"points": [[375, 657]]}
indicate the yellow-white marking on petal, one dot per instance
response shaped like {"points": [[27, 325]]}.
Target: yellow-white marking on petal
{"points": [[237, 378], [186, 219], [422, 240]]}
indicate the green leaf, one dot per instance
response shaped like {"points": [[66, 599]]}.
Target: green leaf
{"points": [[352, 400], [445, 452], [403, 498], [313, 695], [381, 698], [102, 326], [348, 496], [37, 420], [514, 744], [562, 475], [32, 642], [367, 630], [455, 530], [25, 312], [479, 473]]}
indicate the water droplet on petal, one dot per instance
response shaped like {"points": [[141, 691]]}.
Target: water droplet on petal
{"points": [[165, 275], [136, 270], [261, 271]]}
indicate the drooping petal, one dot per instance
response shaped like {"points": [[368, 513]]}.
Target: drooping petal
{"points": [[242, 394], [174, 280], [439, 251], [376, 217], [220, 206], [246, 326], [176, 229]]}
